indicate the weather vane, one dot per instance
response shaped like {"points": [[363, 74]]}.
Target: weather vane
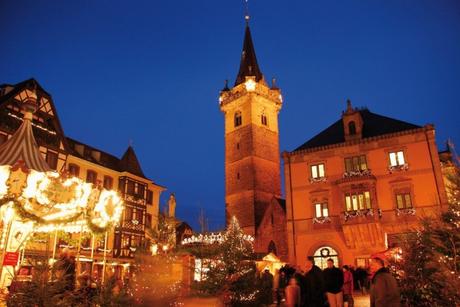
{"points": [[246, 10]]}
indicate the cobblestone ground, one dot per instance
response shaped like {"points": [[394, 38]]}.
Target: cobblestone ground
{"points": [[360, 301]]}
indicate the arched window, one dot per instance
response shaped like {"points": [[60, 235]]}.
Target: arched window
{"points": [[352, 128], [238, 119], [322, 254], [272, 247]]}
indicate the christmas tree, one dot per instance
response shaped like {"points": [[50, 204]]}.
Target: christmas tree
{"points": [[429, 272], [232, 273]]}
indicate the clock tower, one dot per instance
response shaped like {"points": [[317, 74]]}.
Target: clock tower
{"points": [[252, 156]]}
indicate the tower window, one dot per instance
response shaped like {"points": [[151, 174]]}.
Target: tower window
{"points": [[263, 119], [238, 146], [352, 128], [238, 119], [238, 175]]}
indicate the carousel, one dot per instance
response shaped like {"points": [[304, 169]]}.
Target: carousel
{"points": [[36, 199]]}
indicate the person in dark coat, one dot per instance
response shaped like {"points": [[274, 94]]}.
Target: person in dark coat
{"points": [[267, 287], [333, 283], [384, 289], [313, 284]]}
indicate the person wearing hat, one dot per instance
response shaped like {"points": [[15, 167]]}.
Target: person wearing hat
{"points": [[384, 289]]}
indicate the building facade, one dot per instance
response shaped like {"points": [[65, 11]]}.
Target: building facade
{"points": [[252, 160], [358, 184], [63, 154]]}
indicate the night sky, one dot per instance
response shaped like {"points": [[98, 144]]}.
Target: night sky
{"points": [[151, 71]]}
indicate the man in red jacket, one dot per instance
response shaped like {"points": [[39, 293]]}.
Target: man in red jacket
{"points": [[348, 286]]}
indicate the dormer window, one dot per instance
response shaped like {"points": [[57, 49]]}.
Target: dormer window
{"points": [[238, 120], [352, 128]]}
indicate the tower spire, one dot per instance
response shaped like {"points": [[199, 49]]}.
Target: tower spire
{"points": [[248, 64]]}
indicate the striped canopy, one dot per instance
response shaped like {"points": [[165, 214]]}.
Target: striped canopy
{"points": [[23, 147]]}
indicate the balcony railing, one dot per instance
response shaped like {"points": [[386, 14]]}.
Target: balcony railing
{"points": [[318, 179], [398, 168], [321, 220], [364, 213], [360, 173], [405, 212]]}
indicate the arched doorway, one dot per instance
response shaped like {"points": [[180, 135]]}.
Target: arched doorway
{"points": [[272, 247], [323, 253]]}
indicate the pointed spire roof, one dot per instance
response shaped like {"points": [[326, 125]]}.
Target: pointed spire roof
{"points": [[248, 64], [23, 147], [129, 163]]}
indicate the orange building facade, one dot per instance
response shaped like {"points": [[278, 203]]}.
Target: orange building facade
{"points": [[354, 187]]}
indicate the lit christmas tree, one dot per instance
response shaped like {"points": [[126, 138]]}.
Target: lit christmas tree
{"points": [[429, 273], [232, 273]]}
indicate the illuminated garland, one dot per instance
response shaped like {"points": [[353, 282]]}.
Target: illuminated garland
{"points": [[51, 201], [26, 215]]}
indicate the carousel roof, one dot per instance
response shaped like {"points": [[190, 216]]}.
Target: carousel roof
{"points": [[23, 147]]}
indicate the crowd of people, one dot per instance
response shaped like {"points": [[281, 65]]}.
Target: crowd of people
{"points": [[312, 287]]}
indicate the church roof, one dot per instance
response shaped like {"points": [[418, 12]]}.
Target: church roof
{"points": [[248, 64], [129, 163], [23, 147], [373, 125]]}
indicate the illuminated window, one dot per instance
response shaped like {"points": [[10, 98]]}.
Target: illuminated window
{"points": [[397, 158], [263, 118], [321, 210], [352, 128], [317, 171], [91, 176], [238, 119], [52, 159], [358, 201], [74, 170], [403, 201], [108, 182], [357, 163]]}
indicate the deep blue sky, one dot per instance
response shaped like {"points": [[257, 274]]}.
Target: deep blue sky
{"points": [[151, 71]]}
